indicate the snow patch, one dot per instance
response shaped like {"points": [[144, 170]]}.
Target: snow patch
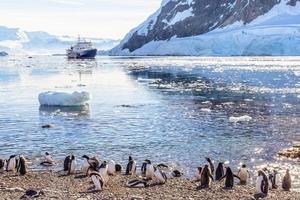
{"points": [[180, 16], [63, 98]]}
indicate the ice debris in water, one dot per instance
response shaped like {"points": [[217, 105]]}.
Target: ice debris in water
{"points": [[64, 98], [244, 118]]}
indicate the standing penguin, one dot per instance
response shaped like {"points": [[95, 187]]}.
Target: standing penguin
{"points": [[97, 180], [262, 185], [287, 181], [131, 166], [49, 161], [244, 175], [22, 165], [103, 171], [206, 178], [90, 164], [274, 180], [198, 173], [118, 168], [12, 163], [160, 176], [211, 165], [143, 168], [111, 169], [70, 164], [150, 170], [229, 178], [220, 171]]}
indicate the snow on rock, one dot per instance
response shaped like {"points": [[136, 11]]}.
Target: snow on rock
{"points": [[63, 98], [3, 53], [244, 118]]}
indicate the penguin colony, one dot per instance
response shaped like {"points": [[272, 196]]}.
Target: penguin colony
{"points": [[99, 172]]}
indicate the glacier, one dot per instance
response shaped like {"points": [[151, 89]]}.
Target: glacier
{"points": [[273, 34]]}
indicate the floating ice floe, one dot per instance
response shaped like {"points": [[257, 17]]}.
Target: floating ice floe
{"points": [[206, 110], [64, 98], [244, 118]]}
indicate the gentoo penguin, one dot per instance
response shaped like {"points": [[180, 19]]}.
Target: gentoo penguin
{"points": [[274, 180], [2, 164], [136, 183], [103, 171], [70, 164], [262, 185], [198, 173], [12, 163], [131, 166], [90, 164], [211, 165], [244, 175], [160, 176], [97, 180], [270, 176], [229, 178], [206, 178], [150, 170], [111, 167], [287, 181], [220, 171], [118, 168], [176, 173], [143, 168], [22, 165], [49, 161]]}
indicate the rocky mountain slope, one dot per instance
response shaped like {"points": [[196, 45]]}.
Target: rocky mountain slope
{"points": [[18, 41], [217, 27]]}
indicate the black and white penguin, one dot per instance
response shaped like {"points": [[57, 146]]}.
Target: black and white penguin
{"points": [[136, 183], [70, 164], [244, 175], [198, 174], [229, 178], [206, 178], [22, 165], [287, 181], [150, 170], [2, 164], [118, 168], [176, 173], [211, 165], [12, 163], [90, 164], [262, 185], [131, 167], [30, 194], [103, 171], [274, 180], [111, 167], [97, 180], [160, 176], [220, 171], [143, 168], [49, 161]]}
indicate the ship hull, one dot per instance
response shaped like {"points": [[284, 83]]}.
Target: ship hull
{"points": [[86, 54]]}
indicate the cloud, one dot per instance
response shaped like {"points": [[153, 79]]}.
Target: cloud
{"points": [[68, 2]]}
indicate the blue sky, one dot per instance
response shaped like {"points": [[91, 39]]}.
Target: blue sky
{"points": [[89, 18]]}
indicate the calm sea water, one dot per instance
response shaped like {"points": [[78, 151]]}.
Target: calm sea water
{"points": [[168, 109]]}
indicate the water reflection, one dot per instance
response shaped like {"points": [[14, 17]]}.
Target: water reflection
{"points": [[65, 111]]}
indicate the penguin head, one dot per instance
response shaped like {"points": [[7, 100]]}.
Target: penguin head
{"points": [[12, 156], [72, 157], [229, 171], [147, 161], [47, 154], [103, 164], [199, 169], [85, 156], [130, 158], [208, 159], [244, 166]]}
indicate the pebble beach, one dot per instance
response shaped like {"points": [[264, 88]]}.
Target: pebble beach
{"points": [[56, 186]]}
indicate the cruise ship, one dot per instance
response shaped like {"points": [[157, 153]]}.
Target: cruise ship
{"points": [[81, 50]]}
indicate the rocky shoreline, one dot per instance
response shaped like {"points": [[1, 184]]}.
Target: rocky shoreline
{"points": [[56, 186]]}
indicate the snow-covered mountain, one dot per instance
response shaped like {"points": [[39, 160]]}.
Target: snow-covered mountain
{"points": [[217, 27], [18, 41]]}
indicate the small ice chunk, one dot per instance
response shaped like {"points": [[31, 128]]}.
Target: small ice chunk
{"points": [[244, 118], [63, 98], [206, 110]]}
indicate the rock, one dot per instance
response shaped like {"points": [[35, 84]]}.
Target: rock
{"points": [[48, 126], [136, 198], [16, 189]]}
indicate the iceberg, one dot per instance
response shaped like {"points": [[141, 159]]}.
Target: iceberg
{"points": [[64, 98], [244, 118]]}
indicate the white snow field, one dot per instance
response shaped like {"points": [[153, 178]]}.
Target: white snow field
{"points": [[63, 98]]}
